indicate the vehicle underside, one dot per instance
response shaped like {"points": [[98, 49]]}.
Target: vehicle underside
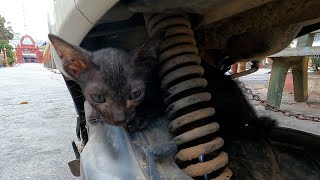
{"points": [[184, 143]]}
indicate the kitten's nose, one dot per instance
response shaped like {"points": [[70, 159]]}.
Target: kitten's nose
{"points": [[118, 116]]}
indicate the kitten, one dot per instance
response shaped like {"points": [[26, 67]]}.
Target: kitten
{"points": [[233, 111], [113, 81], [123, 86]]}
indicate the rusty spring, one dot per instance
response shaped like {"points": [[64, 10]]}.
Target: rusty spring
{"points": [[200, 155]]}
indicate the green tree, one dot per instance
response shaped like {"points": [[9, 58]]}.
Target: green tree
{"points": [[316, 63], [4, 45], [6, 32]]}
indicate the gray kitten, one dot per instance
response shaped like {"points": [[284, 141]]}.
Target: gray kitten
{"points": [[112, 80]]}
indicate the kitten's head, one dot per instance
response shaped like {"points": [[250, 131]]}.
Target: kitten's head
{"points": [[112, 80]]}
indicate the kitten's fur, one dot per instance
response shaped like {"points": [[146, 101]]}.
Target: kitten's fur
{"points": [[233, 111], [110, 78]]}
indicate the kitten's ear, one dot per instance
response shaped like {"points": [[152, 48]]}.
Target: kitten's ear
{"points": [[74, 59], [147, 54]]}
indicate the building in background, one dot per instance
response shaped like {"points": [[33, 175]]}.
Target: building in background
{"points": [[28, 51]]}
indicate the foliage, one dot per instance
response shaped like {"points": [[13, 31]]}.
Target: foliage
{"points": [[10, 56], [316, 63], [6, 33], [4, 64], [5, 45], [11, 59]]}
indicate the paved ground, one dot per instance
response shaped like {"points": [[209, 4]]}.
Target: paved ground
{"points": [[35, 137], [258, 82]]}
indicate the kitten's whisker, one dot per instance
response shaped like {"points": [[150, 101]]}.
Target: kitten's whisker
{"points": [[78, 96], [72, 86], [95, 120], [78, 90]]}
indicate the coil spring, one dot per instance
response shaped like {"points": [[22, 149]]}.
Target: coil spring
{"points": [[200, 152]]}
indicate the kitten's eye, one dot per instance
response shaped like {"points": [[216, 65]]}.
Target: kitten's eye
{"points": [[98, 98], [135, 95]]}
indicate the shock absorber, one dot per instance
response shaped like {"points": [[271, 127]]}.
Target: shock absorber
{"points": [[200, 155]]}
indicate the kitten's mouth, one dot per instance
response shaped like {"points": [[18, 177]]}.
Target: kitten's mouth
{"points": [[105, 118], [125, 122], [113, 123], [116, 123]]}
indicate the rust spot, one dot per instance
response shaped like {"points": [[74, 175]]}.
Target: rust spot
{"points": [[196, 133], [200, 169], [190, 117], [196, 151]]}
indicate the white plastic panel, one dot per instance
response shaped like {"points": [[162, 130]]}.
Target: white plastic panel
{"points": [[93, 10]]}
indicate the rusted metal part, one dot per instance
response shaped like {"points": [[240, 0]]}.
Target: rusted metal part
{"points": [[212, 10], [184, 90], [254, 68], [178, 30], [159, 23], [249, 46], [154, 20], [261, 31], [178, 49], [195, 152], [173, 41], [233, 7], [187, 101], [196, 133], [181, 72], [164, 24], [191, 117], [261, 19], [201, 169], [225, 175], [179, 60], [278, 13], [183, 86], [244, 29]]}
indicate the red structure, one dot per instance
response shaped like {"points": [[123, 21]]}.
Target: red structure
{"points": [[28, 51]]}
